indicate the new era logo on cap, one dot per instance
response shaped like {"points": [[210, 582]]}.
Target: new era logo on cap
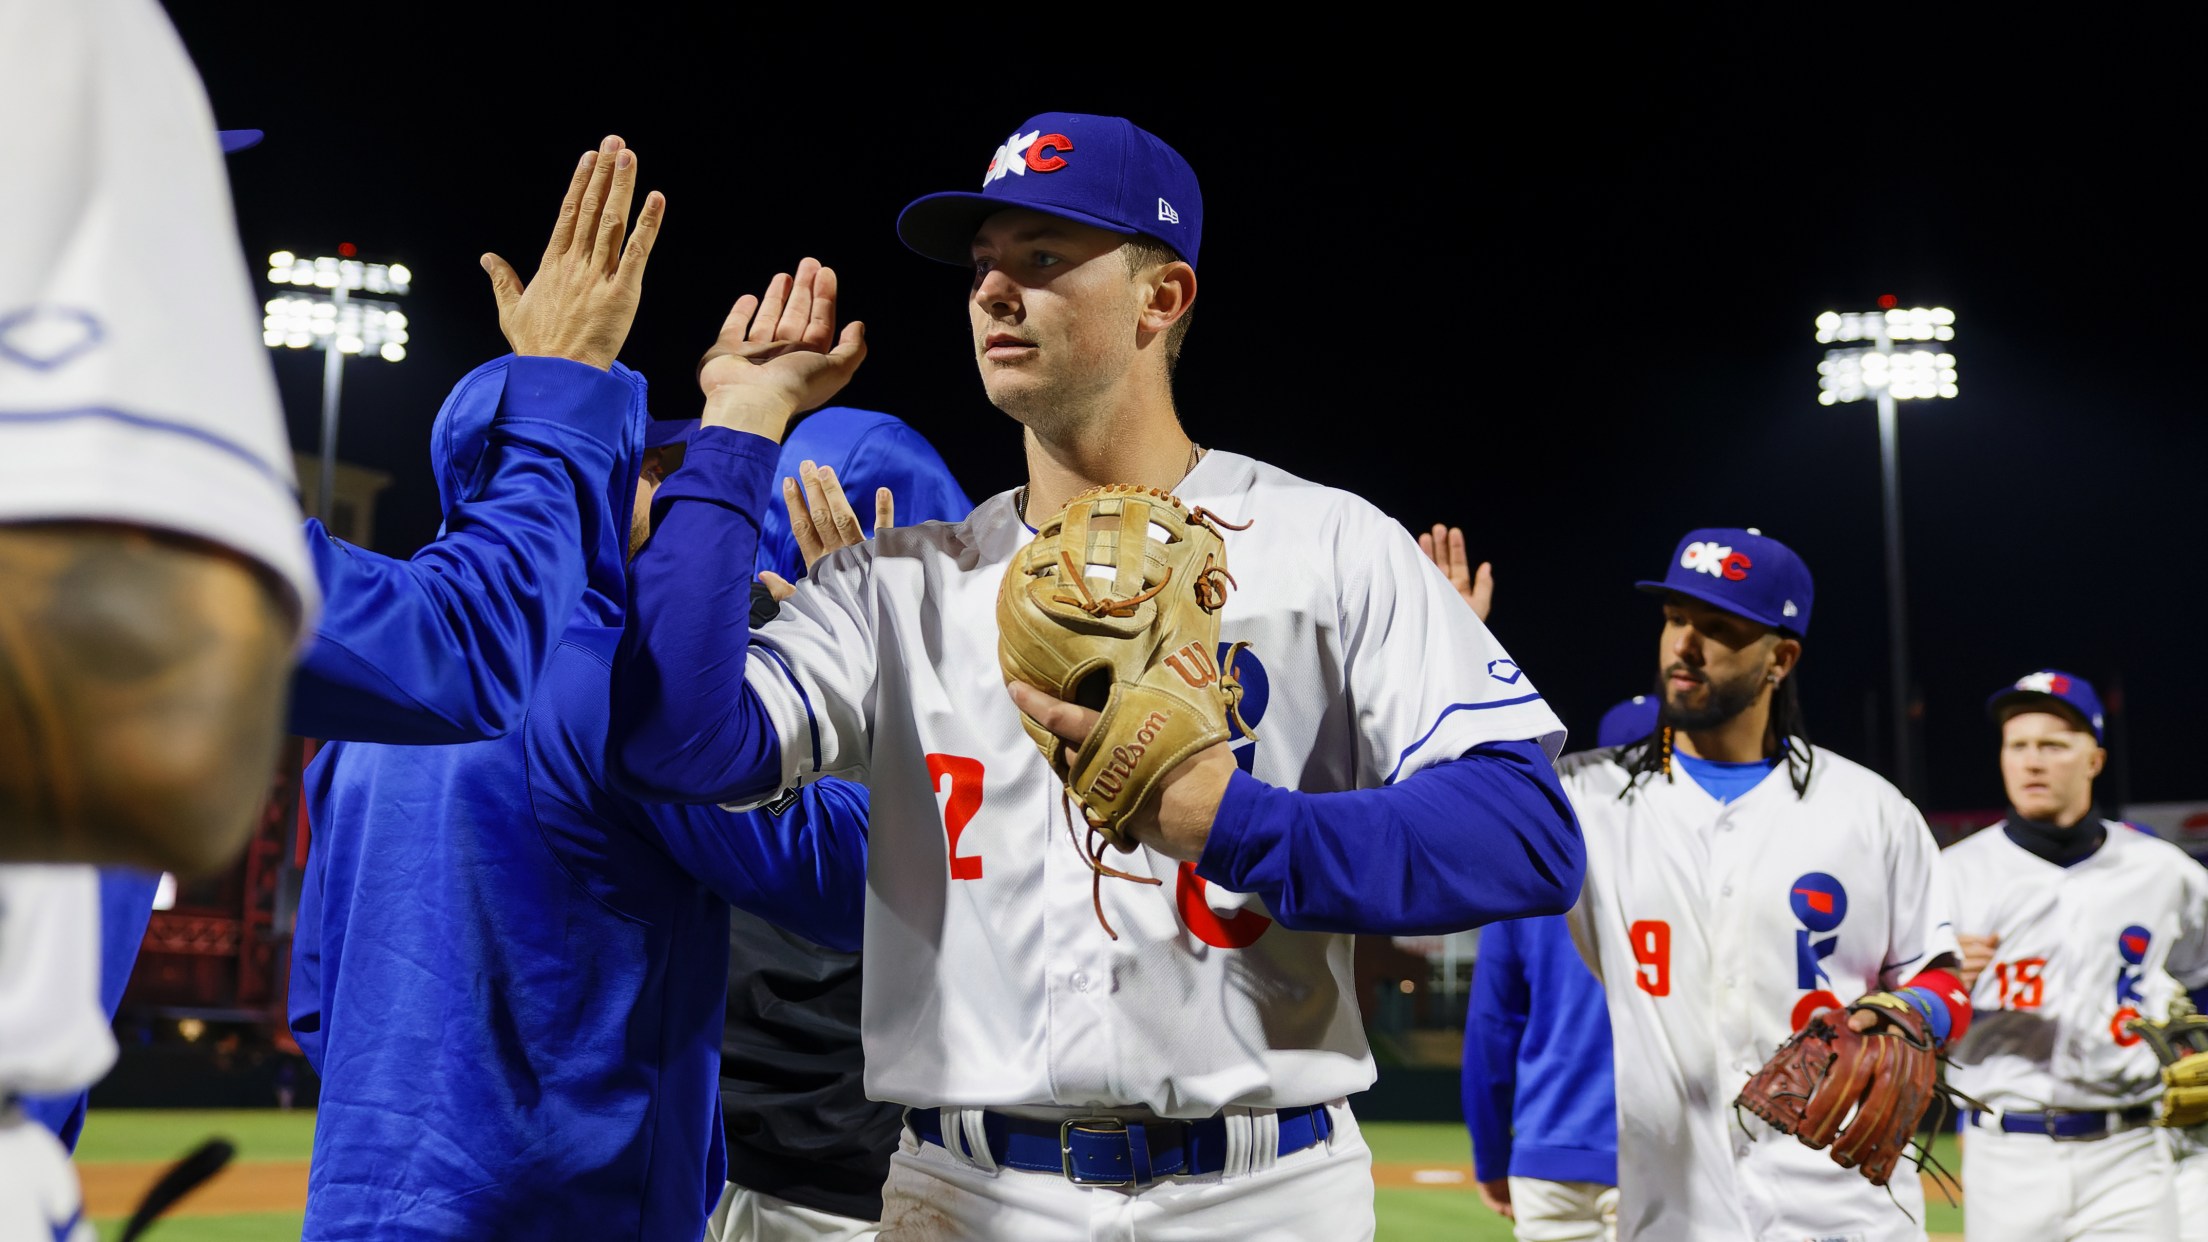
{"points": [[1166, 212]]}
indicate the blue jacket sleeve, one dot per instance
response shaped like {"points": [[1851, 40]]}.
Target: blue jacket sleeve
{"points": [[446, 646], [685, 726], [1493, 1028], [1489, 835], [303, 996], [799, 863]]}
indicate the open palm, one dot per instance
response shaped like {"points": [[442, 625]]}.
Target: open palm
{"points": [[781, 348]]}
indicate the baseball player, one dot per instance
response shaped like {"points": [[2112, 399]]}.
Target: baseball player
{"points": [[1185, 1079], [1740, 882], [150, 570], [2084, 926], [511, 977], [807, 1151]]}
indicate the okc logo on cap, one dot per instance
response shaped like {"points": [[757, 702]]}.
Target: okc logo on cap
{"points": [[1716, 560], [2132, 942], [2044, 683], [1020, 153]]}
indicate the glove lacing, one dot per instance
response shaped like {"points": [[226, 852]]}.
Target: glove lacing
{"points": [[1211, 586]]}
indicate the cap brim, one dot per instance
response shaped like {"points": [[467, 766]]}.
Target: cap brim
{"points": [[2042, 701], [235, 140], [661, 432], [942, 226], [1711, 597]]}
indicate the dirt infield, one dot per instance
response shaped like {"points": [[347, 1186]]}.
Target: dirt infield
{"points": [[113, 1188]]}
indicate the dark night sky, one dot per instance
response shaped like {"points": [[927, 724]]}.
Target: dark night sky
{"points": [[1552, 283]]}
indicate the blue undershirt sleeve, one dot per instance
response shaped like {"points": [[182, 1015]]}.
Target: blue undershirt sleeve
{"points": [[686, 727], [1494, 1027], [799, 863], [447, 645], [1486, 836]]}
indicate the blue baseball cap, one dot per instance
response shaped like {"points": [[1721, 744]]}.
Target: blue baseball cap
{"points": [[238, 139], [1100, 170], [661, 432], [1626, 722], [2068, 689], [1744, 572]]}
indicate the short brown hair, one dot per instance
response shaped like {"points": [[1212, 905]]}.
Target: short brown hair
{"points": [[1143, 252]]}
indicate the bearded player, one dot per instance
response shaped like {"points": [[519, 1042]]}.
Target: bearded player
{"points": [[1186, 1078], [1740, 882], [2083, 926]]}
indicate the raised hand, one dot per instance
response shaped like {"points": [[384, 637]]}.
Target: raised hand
{"points": [[1977, 955], [583, 298], [1444, 546], [821, 516], [779, 353]]}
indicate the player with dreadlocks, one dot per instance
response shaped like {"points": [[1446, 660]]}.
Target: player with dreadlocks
{"points": [[1724, 909]]}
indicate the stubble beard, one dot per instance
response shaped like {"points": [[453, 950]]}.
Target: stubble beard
{"points": [[1727, 699]]}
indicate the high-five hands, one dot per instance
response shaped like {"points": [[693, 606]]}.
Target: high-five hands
{"points": [[822, 520], [779, 353], [1444, 546], [583, 298]]}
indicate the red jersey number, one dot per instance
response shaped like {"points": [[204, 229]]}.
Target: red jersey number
{"points": [[1651, 940], [2019, 983], [958, 809]]}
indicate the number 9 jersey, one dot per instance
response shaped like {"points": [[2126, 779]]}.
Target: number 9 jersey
{"points": [[1717, 929]]}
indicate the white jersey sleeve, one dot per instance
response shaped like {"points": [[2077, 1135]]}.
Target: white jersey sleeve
{"points": [[1425, 678], [134, 387], [813, 667], [1920, 920], [54, 1036], [2188, 960]]}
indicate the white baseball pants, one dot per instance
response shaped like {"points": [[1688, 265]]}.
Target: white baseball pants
{"points": [[2191, 1178], [1323, 1191], [745, 1215], [39, 1197], [1546, 1211], [2030, 1188]]}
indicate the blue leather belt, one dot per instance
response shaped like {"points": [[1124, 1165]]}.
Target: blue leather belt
{"points": [[1109, 1151], [2069, 1124]]}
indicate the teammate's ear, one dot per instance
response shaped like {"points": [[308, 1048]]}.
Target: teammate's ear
{"points": [[1169, 292], [2097, 762], [1784, 654]]}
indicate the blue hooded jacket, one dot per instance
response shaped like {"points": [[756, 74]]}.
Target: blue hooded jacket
{"points": [[446, 645], [1540, 1096], [511, 979]]}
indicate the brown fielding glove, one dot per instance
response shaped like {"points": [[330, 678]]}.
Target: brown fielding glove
{"points": [[1886, 1076], [1115, 606]]}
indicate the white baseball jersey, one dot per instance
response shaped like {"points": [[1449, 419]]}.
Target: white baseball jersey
{"points": [[54, 1037], [988, 981], [2083, 949], [134, 387], [1717, 928]]}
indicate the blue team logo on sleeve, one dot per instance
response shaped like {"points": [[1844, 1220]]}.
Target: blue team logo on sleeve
{"points": [[1257, 691], [1504, 671], [1819, 903]]}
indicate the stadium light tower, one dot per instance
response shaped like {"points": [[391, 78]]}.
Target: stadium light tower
{"points": [[1907, 372], [325, 315]]}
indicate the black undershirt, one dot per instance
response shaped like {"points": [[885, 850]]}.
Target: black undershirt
{"points": [[2064, 847]]}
